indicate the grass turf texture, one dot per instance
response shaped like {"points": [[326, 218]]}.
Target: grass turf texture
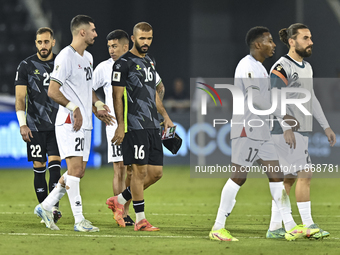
{"points": [[184, 209]]}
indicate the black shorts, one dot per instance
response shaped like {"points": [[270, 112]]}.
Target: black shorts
{"points": [[42, 143], [143, 147]]}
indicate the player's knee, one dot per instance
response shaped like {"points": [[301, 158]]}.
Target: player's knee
{"points": [[239, 181], [157, 174], [289, 181]]}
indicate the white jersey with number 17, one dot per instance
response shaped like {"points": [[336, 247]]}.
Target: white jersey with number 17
{"points": [[74, 73], [251, 74]]}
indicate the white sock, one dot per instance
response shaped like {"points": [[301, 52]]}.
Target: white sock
{"points": [[55, 195], [276, 219], [227, 203], [74, 197], [305, 213], [140, 216], [282, 201], [121, 199]]}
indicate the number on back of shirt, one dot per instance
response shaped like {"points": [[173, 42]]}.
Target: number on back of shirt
{"points": [[148, 74], [88, 71], [35, 151]]}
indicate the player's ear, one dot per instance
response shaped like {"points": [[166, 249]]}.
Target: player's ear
{"points": [[257, 45], [132, 38], [82, 32], [53, 42], [126, 47]]}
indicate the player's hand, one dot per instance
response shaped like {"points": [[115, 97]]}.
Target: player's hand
{"points": [[331, 136], [104, 116], [290, 138], [167, 123], [291, 121], [78, 119], [119, 135], [26, 133]]}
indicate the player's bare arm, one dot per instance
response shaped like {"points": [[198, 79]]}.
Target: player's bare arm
{"points": [[58, 97], [118, 106], [101, 110], [20, 95], [160, 90], [162, 111]]}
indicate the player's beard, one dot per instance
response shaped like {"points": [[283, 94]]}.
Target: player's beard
{"points": [[139, 48], [303, 52], [45, 55]]}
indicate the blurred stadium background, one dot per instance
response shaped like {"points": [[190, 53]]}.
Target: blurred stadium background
{"points": [[192, 38]]}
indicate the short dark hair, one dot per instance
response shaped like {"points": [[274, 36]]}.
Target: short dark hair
{"points": [[79, 20], [118, 34], [43, 30], [143, 26], [290, 32], [255, 33]]}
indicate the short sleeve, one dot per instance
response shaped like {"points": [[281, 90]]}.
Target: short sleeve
{"points": [[158, 79], [278, 77], [21, 76], [120, 71], [62, 69]]}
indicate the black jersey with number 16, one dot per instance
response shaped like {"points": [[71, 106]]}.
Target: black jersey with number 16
{"points": [[138, 76], [41, 110]]}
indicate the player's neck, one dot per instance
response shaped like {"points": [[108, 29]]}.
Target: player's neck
{"points": [[49, 57], [79, 46], [134, 51], [257, 56], [292, 53]]}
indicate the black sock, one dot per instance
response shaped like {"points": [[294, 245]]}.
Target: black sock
{"points": [[40, 184], [54, 168], [127, 194], [138, 206]]}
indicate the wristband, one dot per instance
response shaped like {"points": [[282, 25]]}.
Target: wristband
{"points": [[99, 104], [71, 106], [21, 118]]}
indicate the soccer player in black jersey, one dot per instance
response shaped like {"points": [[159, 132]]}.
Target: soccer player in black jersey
{"points": [[136, 104], [36, 113]]}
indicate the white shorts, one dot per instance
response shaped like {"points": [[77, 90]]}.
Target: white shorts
{"points": [[292, 160], [71, 143], [114, 152], [244, 151]]}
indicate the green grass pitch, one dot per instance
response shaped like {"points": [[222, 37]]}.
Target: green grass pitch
{"points": [[182, 207]]}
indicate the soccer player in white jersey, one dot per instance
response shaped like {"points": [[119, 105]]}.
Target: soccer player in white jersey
{"points": [[251, 144], [71, 88], [117, 44], [292, 70]]}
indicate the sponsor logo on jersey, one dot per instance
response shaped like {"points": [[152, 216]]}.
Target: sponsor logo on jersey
{"points": [[36, 71], [118, 66], [79, 67], [138, 67], [153, 65], [250, 75], [116, 76], [57, 67]]}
